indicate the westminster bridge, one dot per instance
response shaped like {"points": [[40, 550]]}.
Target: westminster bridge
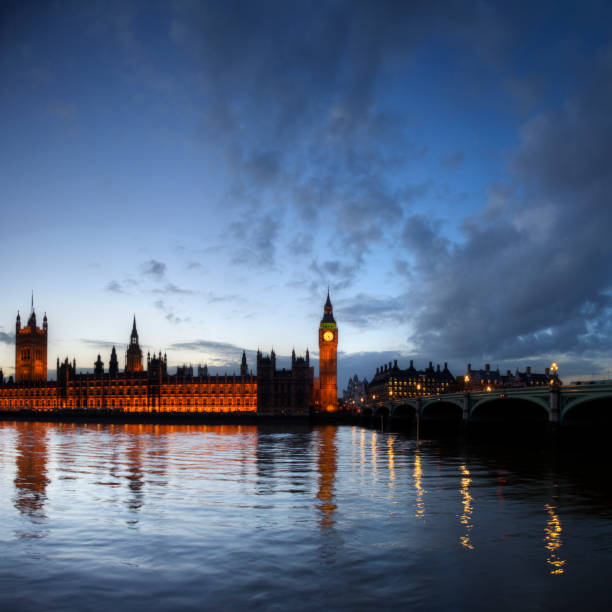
{"points": [[588, 403]]}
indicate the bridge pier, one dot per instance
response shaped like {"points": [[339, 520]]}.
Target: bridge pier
{"points": [[554, 415], [467, 405]]}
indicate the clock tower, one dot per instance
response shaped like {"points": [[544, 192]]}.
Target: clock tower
{"points": [[328, 349]]}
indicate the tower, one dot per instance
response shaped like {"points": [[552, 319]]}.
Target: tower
{"points": [[30, 349], [113, 367], [328, 349], [133, 355], [244, 370]]}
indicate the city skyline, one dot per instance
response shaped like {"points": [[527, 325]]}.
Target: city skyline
{"points": [[212, 169]]}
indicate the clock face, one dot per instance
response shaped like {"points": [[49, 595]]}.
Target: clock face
{"points": [[328, 336]]}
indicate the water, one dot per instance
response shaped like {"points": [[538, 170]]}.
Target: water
{"points": [[226, 517]]}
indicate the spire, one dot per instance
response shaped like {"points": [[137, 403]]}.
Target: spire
{"points": [[328, 311], [32, 300], [134, 332]]}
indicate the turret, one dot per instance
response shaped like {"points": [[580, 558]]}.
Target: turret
{"points": [[45, 323], [30, 350], [113, 366], [243, 365], [99, 367], [133, 355], [328, 311]]}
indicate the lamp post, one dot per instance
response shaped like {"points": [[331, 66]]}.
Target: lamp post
{"points": [[554, 368]]}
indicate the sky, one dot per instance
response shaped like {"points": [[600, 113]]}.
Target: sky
{"points": [[212, 167]]}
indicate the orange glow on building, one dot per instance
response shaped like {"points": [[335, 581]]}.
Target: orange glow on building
{"points": [[328, 350], [152, 389], [30, 350]]}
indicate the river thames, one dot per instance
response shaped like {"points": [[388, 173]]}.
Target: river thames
{"points": [[129, 517]]}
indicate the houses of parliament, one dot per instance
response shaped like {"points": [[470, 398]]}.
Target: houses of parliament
{"points": [[148, 387]]}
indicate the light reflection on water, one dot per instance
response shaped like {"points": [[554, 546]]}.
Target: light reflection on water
{"points": [[180, 517]]}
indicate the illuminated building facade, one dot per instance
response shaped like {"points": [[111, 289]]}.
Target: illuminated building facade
{"points": [[488, 379], [392, 382], [153, 389], [133, 390], [328, 350]]}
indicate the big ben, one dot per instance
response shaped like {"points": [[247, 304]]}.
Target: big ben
{"points": [[328, 349]]}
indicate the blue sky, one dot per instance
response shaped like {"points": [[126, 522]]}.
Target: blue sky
{"points": [[212, 167]]}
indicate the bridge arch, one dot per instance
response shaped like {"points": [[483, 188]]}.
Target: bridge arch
{"points": [[594, 408], [443, 410], [404, 410], [523, 408], [381, 410]]}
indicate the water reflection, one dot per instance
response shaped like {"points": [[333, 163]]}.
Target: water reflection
{"points": [[553, 541], [327, 474], [466, 500], [135, 477], [417, 474], [31, 470], [391, 461]]}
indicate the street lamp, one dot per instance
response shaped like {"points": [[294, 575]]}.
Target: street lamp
{"points": [[554, 368]]}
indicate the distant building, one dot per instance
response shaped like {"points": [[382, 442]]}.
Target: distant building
{"points": [[487, 379], [391, 382], [356, 391]]}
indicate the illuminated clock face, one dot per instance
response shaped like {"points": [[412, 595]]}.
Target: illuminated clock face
{"points": [[328, 336]]}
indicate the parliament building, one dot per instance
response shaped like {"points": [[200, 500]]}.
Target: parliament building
{"points": [[137, 388]]}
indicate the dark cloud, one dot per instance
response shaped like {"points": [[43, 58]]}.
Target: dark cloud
{"points": [[172, 289], [115, 287], [153, 268], [169, 313], [532, 276], [212, 298], [325, 149], [101, 344], [7, 338], [194, 265], [218, 355], [365, 311]]}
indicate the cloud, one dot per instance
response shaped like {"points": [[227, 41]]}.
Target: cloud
{"points": [[115, 287], [364, 311], [327, 152], [531, 277], [172, 289], [106, 344], [153, 268], [170, 314], [218, 354], [7, 338], [214, 299]]}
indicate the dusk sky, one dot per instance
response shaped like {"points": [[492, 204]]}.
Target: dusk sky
{"points": [[211, 167]]}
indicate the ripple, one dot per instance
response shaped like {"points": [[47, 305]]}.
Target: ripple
{"points": [[158, 517]]}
